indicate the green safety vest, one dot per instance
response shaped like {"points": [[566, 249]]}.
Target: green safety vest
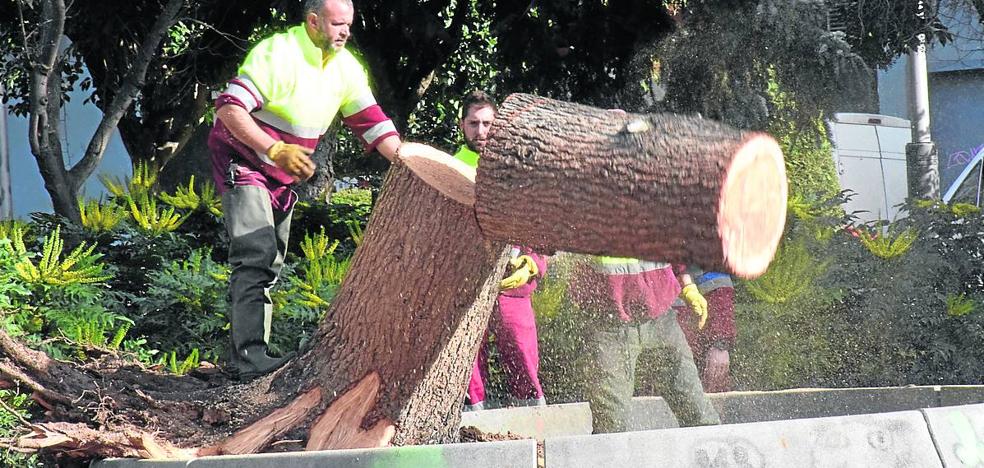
{"points": [[300, 94], [467, 156]]}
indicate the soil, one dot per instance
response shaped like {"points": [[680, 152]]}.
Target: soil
{"points": [[474, 434]]}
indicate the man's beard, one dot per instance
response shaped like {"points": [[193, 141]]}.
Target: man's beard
{"points": [[472, 147]]}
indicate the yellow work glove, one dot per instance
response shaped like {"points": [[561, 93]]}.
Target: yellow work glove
{"points": [[697, 303], [524, 269], [295, 159]]}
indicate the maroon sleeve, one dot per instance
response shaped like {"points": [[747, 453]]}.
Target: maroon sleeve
{"points": [[721, 317]]}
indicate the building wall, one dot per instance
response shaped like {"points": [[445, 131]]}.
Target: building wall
{"points": [[956, 89]]}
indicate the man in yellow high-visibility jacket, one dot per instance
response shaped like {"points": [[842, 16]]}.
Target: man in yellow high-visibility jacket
{"points": [[269, 119]]}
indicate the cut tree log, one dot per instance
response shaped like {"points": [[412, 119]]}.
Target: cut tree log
{"points": [[659, 186], [389, 363]]}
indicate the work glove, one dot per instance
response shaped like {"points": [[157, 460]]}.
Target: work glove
{"points": [[697, 303], [524, 269], [295, 159]]}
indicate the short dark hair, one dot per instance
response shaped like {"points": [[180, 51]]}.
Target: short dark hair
{"points": [[477, 98]]}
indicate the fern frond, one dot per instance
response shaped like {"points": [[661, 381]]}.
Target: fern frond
{"points": [[792, 273], [888, 247], [97, 217], [355, 232], [8, 227], [962, 210], [151, 220], [959, 305], [80, 267], [316, 247], [184, 198], [139, 185]]}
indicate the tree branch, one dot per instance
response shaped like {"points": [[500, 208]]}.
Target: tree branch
{"points": [[52, 27], [132, 84]]}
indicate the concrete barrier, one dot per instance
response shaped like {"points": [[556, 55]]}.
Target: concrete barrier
{"points": [[889, 440], [742, 407], [538, 422], [651, 413], [958, 432], [954, 395], [514, 453]]}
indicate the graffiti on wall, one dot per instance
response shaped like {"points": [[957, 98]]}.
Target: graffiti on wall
{"points": [[962, 157]]}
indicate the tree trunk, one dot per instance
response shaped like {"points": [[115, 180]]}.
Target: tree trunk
{"points": [[411, 310], [659, 186], [320, 186], [63, 184]]}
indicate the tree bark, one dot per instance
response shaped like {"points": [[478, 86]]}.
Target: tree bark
{"points": [[562, 176], [321, 185]]}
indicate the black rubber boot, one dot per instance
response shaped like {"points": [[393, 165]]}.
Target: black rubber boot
{"points": [[253, 361]]}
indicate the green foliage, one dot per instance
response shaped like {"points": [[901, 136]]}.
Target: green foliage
{"points": [[80, 267], [181, 367], [959, 305], [80, 316], [7, 228], [342, 218], [805, 145], [321, 267], [185, 306], [101, 217], [788, 326], [140, 185], [143, 210], [13, 291], [307, 288], [12, 427], [187, 198], [779, 346], [870, 322], [885, 246], [727, 60], [793, 273]]}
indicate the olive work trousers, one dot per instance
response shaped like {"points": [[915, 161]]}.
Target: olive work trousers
{"points": [[257, 246], [616, 351]]}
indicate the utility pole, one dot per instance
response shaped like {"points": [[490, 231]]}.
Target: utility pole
{"points": [[6, 203], [921, 156]]}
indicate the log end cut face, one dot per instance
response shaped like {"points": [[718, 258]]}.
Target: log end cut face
{"points": [[453, 178], [752, 212]]}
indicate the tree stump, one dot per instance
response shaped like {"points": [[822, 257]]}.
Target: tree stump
{"points": [[561, 176]]}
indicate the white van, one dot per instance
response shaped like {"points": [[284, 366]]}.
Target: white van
{"points": [[869, 154]]}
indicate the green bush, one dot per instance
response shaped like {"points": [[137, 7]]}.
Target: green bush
{"points": [[185, 307], [898, 303], [11, 426], [347, 209]]}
